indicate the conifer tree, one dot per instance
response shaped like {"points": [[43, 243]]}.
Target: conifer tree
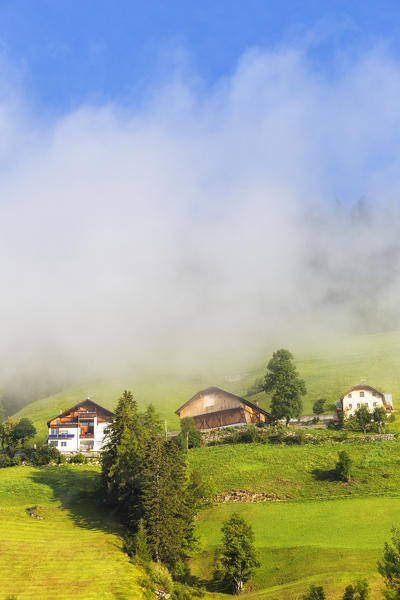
{"points": [[167, 513], [122, 457]]}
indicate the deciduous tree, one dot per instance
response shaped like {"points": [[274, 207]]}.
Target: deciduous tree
{"points": [[283, 381], [379, 416], [363, 417], [237, 557]]}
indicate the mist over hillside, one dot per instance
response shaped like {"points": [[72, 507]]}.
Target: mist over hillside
{"points": [[200, 228]]}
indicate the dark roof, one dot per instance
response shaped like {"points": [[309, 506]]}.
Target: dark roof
{"points": [[216, 390], [88, 400]]}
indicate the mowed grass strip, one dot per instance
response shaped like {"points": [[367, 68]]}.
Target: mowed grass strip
{"points": [[74, 551], [331, 543], [296, 472]]}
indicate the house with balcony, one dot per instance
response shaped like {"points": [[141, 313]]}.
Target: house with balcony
{"points": [[80, 428]]}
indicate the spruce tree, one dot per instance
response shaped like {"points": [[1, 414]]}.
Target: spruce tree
{"points": [[122, 457], [167, 513]]}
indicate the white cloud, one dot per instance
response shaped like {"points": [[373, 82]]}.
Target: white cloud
{"points": [[204, 225]]}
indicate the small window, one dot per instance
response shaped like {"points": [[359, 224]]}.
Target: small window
{"points": [[350, 406], [63, 443], [358, 405], [83, 424], [54, 443], [209, 401], [349, 395], [374, 404], [374, 393], [361, 394]]}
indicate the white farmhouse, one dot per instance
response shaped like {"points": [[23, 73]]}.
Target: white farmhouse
{"points": [[361, 394], [80, 428]]}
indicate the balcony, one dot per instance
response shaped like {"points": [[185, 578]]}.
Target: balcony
{"points": [[60, 436], [87, 436]]}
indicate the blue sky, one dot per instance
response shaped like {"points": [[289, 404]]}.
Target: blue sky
{"points": [[67, 52]]}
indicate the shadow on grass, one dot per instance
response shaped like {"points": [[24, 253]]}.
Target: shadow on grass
{"points": [[77, 490], [325, 474]]}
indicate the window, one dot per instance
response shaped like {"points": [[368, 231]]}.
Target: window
{"points": [[374, 393], [349, 395], [358, 405], [58, 421], [54, 443], [63, 443], [350, 406], [83, 424], [374, 405], [361, 394]]}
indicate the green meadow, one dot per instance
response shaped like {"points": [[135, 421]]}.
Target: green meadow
{"points": [[73, 551], [299, 472], [328, 368], [314, 530], [330, 543]]}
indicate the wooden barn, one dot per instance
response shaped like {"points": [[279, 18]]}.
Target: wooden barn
{"points": [[213, 407]]}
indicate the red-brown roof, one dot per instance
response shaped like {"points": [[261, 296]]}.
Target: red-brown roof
{"points": [[216, 390], [362, 387]]}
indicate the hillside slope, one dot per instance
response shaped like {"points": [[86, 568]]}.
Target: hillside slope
{"points": [[328, 370], [73, 551]]}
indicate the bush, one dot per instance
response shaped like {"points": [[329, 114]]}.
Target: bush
{"points": [[6, 461], [194, 439], [248, 434], [77, 458], [162, 577], [344, 466], [319, 406], [315, 592], [46, 454]]}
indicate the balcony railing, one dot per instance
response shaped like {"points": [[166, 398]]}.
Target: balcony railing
{"points": [[86, 436], [60, 436]]}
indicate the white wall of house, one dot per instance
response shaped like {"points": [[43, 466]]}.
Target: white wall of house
{"points": [[75, 443], [99, 435], [352, 401], [65, 444]]}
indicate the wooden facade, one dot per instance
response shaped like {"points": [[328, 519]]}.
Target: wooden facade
{"points": [[80, 428], [213, 408]]}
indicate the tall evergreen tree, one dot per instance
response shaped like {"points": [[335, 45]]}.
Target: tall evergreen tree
{"points": [[122, 457], [167, 513], [389, 567]]}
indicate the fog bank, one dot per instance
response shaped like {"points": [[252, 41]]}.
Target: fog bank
{"points": [[204, 226]]}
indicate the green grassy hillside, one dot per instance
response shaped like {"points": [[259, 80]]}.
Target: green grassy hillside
{"points": [[318, 530], [299, 472], [74, 551], [328, 369], [330, 543]]}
